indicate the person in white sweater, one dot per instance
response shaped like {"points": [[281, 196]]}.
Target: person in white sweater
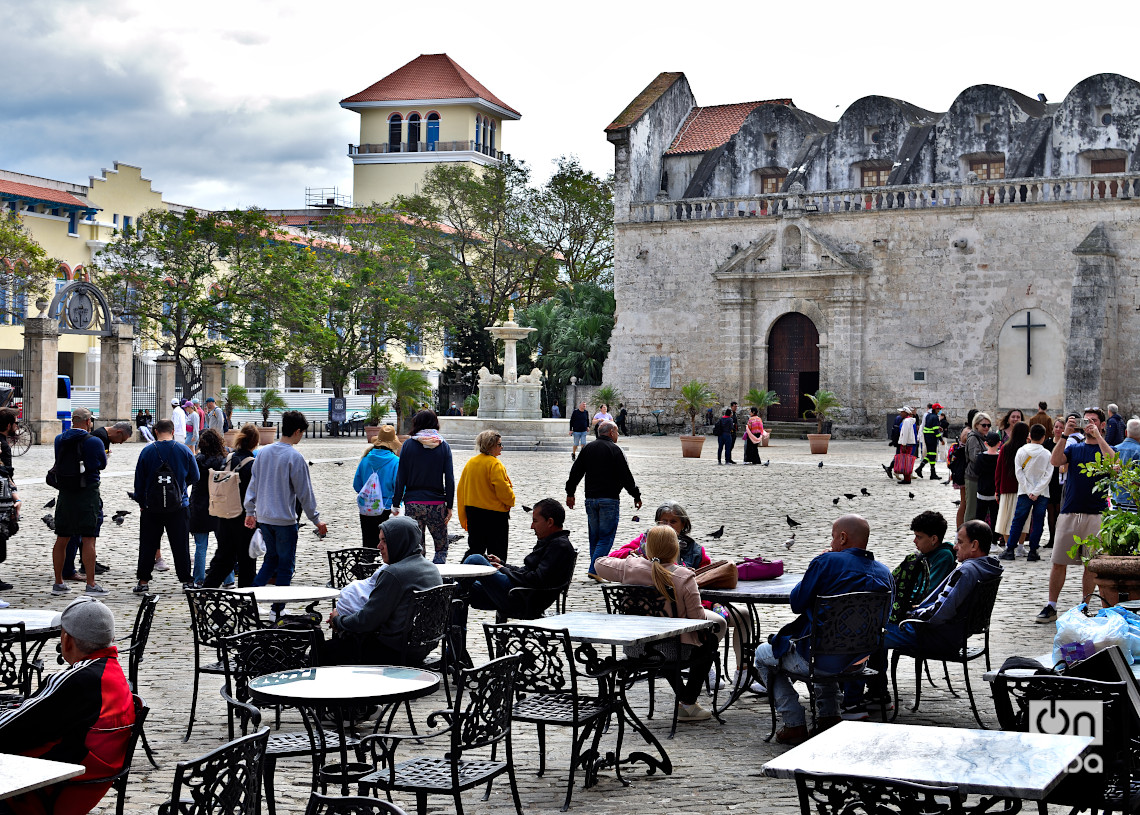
{"points": [[1033, 469]]}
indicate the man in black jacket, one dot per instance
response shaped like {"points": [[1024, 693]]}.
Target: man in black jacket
{"points": [[579, 427], [549, 565], [603, 464]]}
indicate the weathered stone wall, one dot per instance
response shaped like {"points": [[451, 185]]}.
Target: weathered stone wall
{"points": [[890, 294]]}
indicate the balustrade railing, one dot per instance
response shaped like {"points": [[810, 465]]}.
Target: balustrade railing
{"points": [[426, 147], [1004, 192]]}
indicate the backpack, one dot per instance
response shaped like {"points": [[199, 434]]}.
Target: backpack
{"points": [[225, 489], [227, 425], [67, 473], [162, 493]]}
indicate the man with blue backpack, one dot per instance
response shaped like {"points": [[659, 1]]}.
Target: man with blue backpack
{"points": [[161, 475]]}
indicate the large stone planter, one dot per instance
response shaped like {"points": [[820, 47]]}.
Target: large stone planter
{"points": [[230, 437], [817, 443], [1117, 577], [371, 432], [691, 446], [268, 435]]}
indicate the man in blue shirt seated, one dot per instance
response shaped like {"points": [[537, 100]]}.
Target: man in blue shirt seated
{"points": [[848, 567]]}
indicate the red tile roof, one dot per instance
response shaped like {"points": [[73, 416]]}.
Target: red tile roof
{"points": [[28, 191], [709, 127], [428, 76]]}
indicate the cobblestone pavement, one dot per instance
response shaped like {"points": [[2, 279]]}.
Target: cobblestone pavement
{"points": [[716, 767]]}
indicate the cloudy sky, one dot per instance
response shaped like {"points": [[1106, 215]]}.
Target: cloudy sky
{"points": [[235, 103]]}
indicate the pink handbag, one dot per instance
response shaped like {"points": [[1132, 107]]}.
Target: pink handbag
{"points": [[757, 568]]}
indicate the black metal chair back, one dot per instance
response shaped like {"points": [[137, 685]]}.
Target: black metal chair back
{"points": [[227, 779], [350, 805], [140, 636], [843, 794], [643, 601], [267, 650], [849, 624], [14, 672], [546, 657], [534, 602], [982, 600], [347, 565], [428, 618], [217, 613], [484, 702]]}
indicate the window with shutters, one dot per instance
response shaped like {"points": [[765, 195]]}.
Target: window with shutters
{"points": [[988, 169]]}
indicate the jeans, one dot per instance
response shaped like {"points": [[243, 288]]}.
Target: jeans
{"points": [[1037, 523], [201, 545], [786, 699], [280, 556], [602, 516]]}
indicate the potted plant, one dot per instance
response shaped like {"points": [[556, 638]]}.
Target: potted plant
{"points": [[270, 400], [823, 406], [695, 398], [376, 413], [608, 395], [761, 400], [233, 397], [1113, 554], [471, 405], [407, 388]]}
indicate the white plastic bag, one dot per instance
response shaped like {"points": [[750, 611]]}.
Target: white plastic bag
{"points": [[256, 545], [1133, 623], [1074, 627], [370, 499]]}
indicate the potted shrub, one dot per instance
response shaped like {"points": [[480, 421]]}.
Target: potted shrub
{"points": [[376, 413], [823, 406], [761, 400], [695, 398], [471, 405], [609, 396], [1113, 554], [270, 400], [234, 397], [407, 388]]}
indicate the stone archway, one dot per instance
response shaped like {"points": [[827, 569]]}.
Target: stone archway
{"points": [[793, 365]]}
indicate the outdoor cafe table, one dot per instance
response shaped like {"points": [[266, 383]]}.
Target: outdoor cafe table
{"points": [[290, 594], [20, 774], [750, 593], [38, 623], [996, 763], [590, 629], [339, 687], [454, 571]]}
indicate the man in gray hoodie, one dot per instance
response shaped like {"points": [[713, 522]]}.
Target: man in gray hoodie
{"points": [[384, 617]]}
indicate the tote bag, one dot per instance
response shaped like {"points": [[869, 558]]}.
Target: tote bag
{"points": [[370, 499]]}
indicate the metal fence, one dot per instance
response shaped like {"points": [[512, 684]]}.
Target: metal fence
{"points": [[144, 386], [13, 369]]}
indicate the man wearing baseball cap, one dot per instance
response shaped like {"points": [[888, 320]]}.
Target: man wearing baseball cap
{"points": [[178, 416], [931, 435], [73, 716]]}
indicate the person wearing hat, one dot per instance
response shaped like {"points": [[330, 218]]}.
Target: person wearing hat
{"points": [[215, 418], [178, 416], [70, 717], [931, 435], [382, 458]]}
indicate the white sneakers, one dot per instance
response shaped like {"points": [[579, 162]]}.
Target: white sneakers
{"points": [[692, 713], [160, 566]]}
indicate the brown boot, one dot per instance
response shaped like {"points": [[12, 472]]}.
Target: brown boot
{"points": [[796, 734]]}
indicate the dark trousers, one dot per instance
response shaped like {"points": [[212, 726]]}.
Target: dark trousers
{"points": [[176, 525], [370, 528], [487, 531], [724, 443], [231, 553]]}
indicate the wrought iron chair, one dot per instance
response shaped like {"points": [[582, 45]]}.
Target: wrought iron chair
{"points": [[216, 613], [265, 651], [480, 718], [119, 779], [350, 805], [140, 635], [844, 625], [842, 794], [546, 688], [346, 565], [977, 617], [1113, 787], [535, 602], [15, 671], [227, 779]]}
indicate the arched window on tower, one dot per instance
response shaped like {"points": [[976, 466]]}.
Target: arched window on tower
{"points": [[478, 133], [432, 131], [395, 132], [494, 125], [486, 122], [413, 132]]}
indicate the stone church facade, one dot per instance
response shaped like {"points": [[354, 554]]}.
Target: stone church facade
{"points": [[988, 256]]}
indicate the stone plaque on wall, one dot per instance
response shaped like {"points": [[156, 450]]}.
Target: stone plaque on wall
{"points": [[659, 372]]}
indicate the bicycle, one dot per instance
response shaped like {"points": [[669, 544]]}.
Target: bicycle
{"points": [[22, 443]]}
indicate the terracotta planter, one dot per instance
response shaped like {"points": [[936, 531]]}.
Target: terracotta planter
{"points": [[371, 432], [691, 446], [818, 443], [230, 437], [268, 435], [1117, 577], [764, 441]]}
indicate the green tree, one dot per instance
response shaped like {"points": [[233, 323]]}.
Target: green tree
{"points": [[695, 397], [407, 388], [234, 397], [269, 401], [824, 404], [25, 268], [575, 218]]}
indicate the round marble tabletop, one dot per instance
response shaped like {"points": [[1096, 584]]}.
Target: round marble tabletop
{"points": [[290, 594], [452, 571], [35, 620], [352, 684]]}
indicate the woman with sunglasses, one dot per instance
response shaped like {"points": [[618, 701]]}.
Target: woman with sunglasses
{"points": [[975, 446]]}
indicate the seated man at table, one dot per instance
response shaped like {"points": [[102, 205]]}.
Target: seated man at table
{"points": [[68, 718], [848, 567], [384, 615], [548, 567]]}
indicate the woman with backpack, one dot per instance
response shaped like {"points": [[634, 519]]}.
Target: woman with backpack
{"points": [[233, 537], [382, 460], [211, 456]]}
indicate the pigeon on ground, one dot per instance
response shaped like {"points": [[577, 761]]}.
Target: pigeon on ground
{"points": [[49, 521], [117, 520], [636, 519], [49, 504], [850, 496], [821, 465], [910, 495], [766, 463], [792, 523], [310, 463], [122, 512], [527, 509], [716, 534], [453, 538], [790, 542], [339, 463], [863, 490], [956, 503], [835, 501]]}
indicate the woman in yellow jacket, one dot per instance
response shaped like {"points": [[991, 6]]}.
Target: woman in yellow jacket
{"points": [[485, 496]]}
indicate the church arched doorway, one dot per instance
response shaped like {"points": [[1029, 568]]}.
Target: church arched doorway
{"points": [[793, 365]]}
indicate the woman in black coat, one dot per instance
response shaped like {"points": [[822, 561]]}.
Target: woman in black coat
{"points": [[233, 537], [211, 456]]}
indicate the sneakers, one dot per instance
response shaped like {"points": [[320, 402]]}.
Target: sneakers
{"points": [[1032, 557], [854, 713], [1008, 555], [160, 566], [795, 734], [1022, 550], [99, 569], [573, 456], [1047, 615], [95, 590], [61, 588], [231, 584], [141, 588], [692, 713]]}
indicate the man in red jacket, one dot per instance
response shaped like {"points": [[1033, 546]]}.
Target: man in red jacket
{"points": [[74, 716]]}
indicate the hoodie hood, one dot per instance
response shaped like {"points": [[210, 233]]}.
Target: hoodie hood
{"points": [[73, 433], [402, 537]]}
